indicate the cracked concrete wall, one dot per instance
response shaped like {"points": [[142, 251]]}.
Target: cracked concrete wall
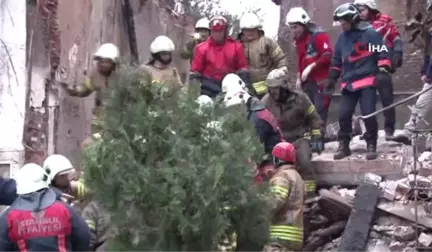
{"points": [[84, 26], [13, 84]]}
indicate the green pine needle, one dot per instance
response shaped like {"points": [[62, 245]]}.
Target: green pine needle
{"points": [[166, 178]]}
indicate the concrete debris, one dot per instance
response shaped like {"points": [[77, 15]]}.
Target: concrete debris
{"points": [[356, 233], [425, 240], [399, 220], [351, 171]]}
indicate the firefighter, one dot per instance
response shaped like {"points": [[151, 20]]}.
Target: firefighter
{"points": [[159, 66], [393, 41], [37, 221], [287, 187], [359, 68], [8, 192], [59, 168], [314, 52], [202, 32], [263, 53], [98, 221], [217, 57], [421, 32], [299, 122], [266, 125], [106, 58]]}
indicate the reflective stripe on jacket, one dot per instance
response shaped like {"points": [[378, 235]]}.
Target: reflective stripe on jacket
{"points": [[288, 190]]}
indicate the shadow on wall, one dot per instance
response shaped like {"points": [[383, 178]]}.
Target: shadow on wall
{"points": [[84, 26]]}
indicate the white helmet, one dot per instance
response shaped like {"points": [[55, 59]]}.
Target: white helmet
{"points": [[107, 51], [57, 165], [203, 23], [162, 44], [235, 93], [31, 178], [297, 15], [369, 3], [204, 101], [250, 21], [228, 81]]}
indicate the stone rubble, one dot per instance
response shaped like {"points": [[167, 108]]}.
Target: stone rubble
{"points": [[394, 227]]}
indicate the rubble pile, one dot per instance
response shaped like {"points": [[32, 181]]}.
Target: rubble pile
{"points": [[400, 216]]}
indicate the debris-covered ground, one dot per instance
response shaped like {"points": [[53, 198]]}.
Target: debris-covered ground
{"points": [[378, 210]]}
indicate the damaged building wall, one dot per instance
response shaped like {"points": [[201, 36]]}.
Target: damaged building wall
{"points": [[101, 21], [13, 88]]}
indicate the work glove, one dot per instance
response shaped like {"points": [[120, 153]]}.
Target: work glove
{"points": [[307, 71], [397, 59], [330, 87], [317, 143]]}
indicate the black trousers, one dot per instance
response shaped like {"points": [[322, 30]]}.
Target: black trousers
{"points": [[312, 90], [385, 90], [367, 98], [304, 161]]}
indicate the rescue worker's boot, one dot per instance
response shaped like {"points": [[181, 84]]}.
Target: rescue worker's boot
{"points": [[389, 135], [401, 138], [343, 150], [371, 153]]}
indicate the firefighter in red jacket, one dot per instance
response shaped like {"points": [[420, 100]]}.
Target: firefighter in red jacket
{"points": [[217, 57], [393, 41], [314, 52]]}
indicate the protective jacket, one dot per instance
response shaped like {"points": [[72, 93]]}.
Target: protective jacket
{"points": [[188, 50], [98, 221], [297, 116], [266, 125], [385, 26], [213, 61], [94, 82], [354, 61], [39, 222], [7, 191], [167, 76], [314, 47], [286, 227], [263, 55], [427, 66]]}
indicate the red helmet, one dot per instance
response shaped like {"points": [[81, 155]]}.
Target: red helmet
{"points": [[284, 152], [218, 23]]}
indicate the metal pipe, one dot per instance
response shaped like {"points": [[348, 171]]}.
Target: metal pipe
{"points": [[396, 103], [414, 142]]}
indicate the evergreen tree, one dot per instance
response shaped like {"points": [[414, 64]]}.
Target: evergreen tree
{"points": [[169, 181]]}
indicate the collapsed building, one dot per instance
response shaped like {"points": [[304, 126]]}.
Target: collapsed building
{"points": [[377, 205]]}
